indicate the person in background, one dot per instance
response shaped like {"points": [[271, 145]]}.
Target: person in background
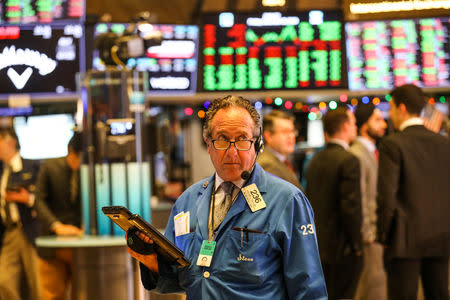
{"points": [[333, 187], [279, 142], [371, 128], [59, 208], [268, 252], [19, 224], [414, 201]]}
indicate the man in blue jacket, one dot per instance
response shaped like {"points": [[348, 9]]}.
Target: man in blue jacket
{"points": [[247, 234]]}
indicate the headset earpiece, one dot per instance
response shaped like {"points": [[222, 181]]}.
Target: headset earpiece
{"points": [[259, 144]]}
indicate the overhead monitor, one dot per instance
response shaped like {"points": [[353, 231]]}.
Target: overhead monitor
{"points": [[384, 54], [171, 66], [40, 60], [41, 11], [315, 134], [46, 136], [272, 51]]}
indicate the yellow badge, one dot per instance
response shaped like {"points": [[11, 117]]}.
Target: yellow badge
{"points": [[27, 176], [253, 197]]}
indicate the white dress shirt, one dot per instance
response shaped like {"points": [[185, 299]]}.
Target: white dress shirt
{"points": [[411, 122]]}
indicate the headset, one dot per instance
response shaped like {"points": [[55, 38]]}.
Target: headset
{"points": [[259, 143], [259, 146]]}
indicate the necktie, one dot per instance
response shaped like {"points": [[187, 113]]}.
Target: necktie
{"points": [[73, 186], [376, 153], [5, 209], [289, 165], [221, 210]]}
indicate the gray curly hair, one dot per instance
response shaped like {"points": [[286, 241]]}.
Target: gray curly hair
{"points": [[230, 101]]}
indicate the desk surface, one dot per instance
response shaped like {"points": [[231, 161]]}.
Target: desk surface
{"points": [[80, 242]]}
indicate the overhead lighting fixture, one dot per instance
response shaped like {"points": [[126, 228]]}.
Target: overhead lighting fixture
{"points": [[273, 2], [391, 6]]}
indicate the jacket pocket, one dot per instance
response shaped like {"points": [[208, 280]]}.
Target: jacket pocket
{"points": [[188, 244], [246, 253], [184, 242]]}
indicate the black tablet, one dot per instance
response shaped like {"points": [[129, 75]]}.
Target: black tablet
{"points": [[126, 220]]}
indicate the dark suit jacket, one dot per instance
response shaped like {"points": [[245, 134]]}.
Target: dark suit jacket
{"points": [[333, 188], [414, 193], [273, 165], [25, 178], [53, 197]]}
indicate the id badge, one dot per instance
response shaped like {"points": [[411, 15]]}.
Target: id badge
{"points": [[206, 253], [253, 197]]}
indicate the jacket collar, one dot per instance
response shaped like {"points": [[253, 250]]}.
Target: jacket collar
{"points": [[15, 163], [240, 204], [339, 142]]}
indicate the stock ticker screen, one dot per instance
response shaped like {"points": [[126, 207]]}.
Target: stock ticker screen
{"points": [[41, 11], [171, 66], [272, 50], [384, 54], [40, 59]]}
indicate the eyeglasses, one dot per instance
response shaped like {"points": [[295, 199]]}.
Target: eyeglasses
{"points": [[241, 145]]}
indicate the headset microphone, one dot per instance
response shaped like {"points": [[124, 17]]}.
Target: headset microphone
{"points": [[245, 175], [259, 146]]}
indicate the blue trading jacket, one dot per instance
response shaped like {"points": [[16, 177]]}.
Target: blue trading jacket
{"points": [[280, 262]]}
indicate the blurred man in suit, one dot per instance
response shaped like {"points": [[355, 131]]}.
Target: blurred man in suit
{"points": [[279, 139], [333, 187], [59, 208], [414, 201], [19, 224], [371, 128]]}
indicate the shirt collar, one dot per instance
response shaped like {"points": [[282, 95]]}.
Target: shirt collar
{"points": [[411, 122], [16, 163], [277, 154], [339, 142], [239, 183], [367, 143]]}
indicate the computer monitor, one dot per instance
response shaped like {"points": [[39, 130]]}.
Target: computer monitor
{"points": [[315, 136], [41, 60], [272, 51], [171, 66], [45, 136], [388, 53], [38, 11]]}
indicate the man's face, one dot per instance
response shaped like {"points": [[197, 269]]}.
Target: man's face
{"points": [[7, 147], [2, 148], [233, 123], [351, 128], [376, 125], [282, 139], [74, 160]]}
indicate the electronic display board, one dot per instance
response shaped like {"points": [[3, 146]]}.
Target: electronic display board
{"points": [[41, 11], [41, 60], [272, 50], [171, 66], [384, 54]]}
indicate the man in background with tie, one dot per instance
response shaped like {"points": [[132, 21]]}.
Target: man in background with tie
{"points": [[247, 234], [279, 142], [333, 187], [18, 221], [371, 128], [59, 208]]}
